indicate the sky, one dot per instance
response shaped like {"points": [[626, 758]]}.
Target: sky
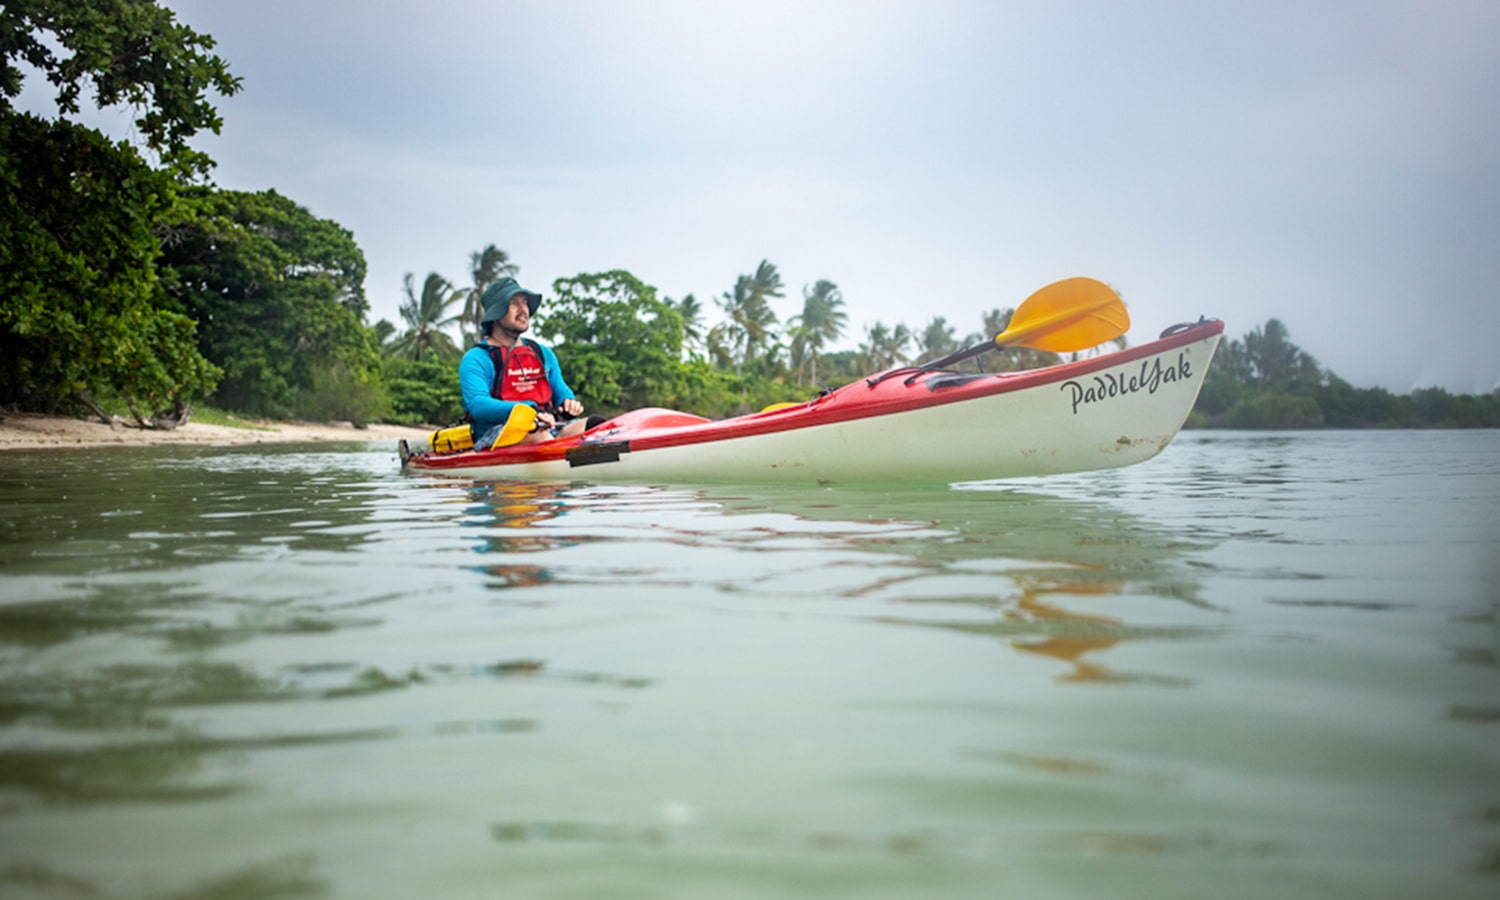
{"points": [[1330, 164]]}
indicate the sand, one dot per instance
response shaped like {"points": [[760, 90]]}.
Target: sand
{"points": [[30, 431]]}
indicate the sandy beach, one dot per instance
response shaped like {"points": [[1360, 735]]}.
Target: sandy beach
{"points": [[31, 431]]}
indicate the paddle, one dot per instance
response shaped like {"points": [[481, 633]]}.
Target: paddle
{"points": [[522, 421], [1063, 317]]}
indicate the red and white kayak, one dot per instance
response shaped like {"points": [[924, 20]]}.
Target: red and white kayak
{"points": [[938, 427]]}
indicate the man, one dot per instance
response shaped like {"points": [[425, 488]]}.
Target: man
{"points": [[505, 370]]}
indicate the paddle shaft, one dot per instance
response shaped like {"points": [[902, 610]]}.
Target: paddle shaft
{"points": [[959, 356]]}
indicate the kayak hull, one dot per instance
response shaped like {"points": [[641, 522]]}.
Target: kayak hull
{"points": [[1111, 410]]}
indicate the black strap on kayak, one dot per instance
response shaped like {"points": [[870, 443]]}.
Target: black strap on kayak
{"points": [[918, 371], [953, 379], [593, 454], [1180, 327]]}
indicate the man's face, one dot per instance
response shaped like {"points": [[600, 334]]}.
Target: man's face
{"points": [[518, 318]]}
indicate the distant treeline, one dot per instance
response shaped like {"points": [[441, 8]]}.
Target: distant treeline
{"points": [[1264, 381]]}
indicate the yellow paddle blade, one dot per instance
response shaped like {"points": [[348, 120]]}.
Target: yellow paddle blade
{"points": [[522, 422], [1066, 316]]}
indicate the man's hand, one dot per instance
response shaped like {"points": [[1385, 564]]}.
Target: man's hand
{"points": [[572, 407]]}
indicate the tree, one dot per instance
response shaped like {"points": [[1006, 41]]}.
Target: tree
{"points": [[691, 312], [995, 321], [279, 298], [81, 312], [822, 321], [884, 347], [750, 317], [384, 331], [719, 345], [485, 267], [131, 52], [423, 392], [619, 344], [80, 305], [843, 366], [426, 315], [1274, 361], [937, 340], [1266, 381]]}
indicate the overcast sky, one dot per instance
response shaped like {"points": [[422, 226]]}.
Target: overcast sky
{"points": [[1333, 165]]}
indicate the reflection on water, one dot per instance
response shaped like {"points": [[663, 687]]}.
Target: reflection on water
{"points": [[509, 512], [1258, 665], [1055, 552]]}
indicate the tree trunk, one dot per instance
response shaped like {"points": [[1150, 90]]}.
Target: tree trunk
{"points": [[84, 398], [168, 419]]}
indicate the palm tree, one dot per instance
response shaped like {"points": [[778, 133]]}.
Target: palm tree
{"points": [[384, 330], [764, 285], [731, 335], [822, 320], [751, 318], [996, 321], [901, 338], [486, 267], [718, 343], [692, 319], [1276, 361], [884, 347], [426, 316], [937, 340]]}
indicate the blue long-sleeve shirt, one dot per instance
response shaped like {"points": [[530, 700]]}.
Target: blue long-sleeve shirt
{"points": [[476, 378]]}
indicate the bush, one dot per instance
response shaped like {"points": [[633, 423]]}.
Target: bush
{"points": [[341, 393], [423, 393], [1274, 411]]}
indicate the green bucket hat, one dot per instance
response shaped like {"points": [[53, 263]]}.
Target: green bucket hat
{"points": [[496, 299]]}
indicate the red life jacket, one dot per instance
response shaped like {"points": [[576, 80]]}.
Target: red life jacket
{"points": [[520, 373]]}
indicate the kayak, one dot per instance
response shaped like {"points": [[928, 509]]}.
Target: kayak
{"points": [[903, 426]]}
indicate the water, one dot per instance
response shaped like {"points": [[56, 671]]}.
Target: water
{"points": [[1259, 665]]}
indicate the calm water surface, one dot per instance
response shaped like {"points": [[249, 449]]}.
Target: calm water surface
{"points": [[1259, 665]]}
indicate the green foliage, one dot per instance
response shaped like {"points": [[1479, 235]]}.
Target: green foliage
{"points": [[1222, 389], [80, 305], [426, 315], [618, 343], [79, 298], [1271, 410], [423, 392], [1436, 408], [822, 320], [885, 347], [209, 415], [750, 321], [1266, 382], [344, 392], [936, 340], [130, 52], [842, 367], [1345, 406], [279, 297], [691, 312]]}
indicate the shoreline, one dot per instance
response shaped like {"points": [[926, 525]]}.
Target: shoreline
{"points": [[37, 431]]}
